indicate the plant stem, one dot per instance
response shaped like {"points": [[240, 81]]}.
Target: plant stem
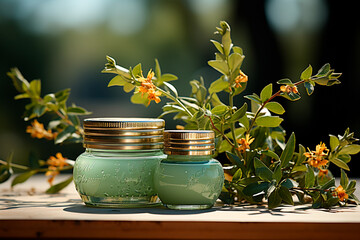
{"points": [[168, 95], [216, 129], [264, 103], [14, 165], [232, 127], [310, 189]]}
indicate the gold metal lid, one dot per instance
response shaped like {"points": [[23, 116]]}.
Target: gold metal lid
{"points": [[124, 133], [189, 142]]}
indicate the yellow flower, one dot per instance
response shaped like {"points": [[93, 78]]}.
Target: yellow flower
{"points": [[242, 78], [244, 143], [340, 193], [54, 165], [316, 158], [148, 87], [289, 89], [323, 173], [37, 130], [153, 95]]}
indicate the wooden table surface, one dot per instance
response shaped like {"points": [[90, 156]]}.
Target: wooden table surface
{"points": [[27, 212]]}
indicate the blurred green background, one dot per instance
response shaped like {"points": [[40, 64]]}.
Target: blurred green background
{"points": [[64, 43]]}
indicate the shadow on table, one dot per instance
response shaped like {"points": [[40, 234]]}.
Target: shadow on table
{"points": [[159, 210], [283, 209], [250, 209]]}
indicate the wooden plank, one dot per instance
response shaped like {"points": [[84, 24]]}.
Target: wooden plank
{"points": [[175, 230]]}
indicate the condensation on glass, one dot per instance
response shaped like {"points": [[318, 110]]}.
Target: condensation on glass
{"points": [[189, 178], [118, 166]]}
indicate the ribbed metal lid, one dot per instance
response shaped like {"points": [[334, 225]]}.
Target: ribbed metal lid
{"points": [[124, 133], [189, 142]]}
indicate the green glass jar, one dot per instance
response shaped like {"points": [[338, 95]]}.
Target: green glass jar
{"points": [[189, 178], [117, 168]]}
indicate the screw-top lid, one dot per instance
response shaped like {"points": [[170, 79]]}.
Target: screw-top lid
{"points": [[124, 133], [189, 142]]}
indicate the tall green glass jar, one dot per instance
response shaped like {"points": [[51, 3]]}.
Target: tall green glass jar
{"points": [[117, 168], [189, 178]]}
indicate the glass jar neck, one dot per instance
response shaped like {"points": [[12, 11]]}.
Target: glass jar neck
{"points": [[188, 158]]}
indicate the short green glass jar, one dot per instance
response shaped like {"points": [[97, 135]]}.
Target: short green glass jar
{"points": [[117, 168], [189, 178]]}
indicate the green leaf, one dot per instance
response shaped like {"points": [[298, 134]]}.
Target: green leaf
{"points": [[226, 42], [235, 61], [309, 88], [215, 101], [266, 92], [262, 171], [39, 110], [136, 71], [218, 86], [291, 96], [275, 107], [344, 180], [140, 98], [201, 94], [306, 74], [289, 183], [234, 159], [128, 87], [21, 96], [23, 177], [238, 50], [5, 173], [58, 187], [268, 121], [328, 184], [62, 95], [19, 82], [158, 70], [239, 113], [277, 175], [35, 87], [255, 188], [340, 163], [288, 152], [309, 177], [344, 157], [77, 111], [301, 157], [324, 70], [65, 134], [220, 66], [237, 175], [255, 98], [172, 88], [117, 81], [274, 200], [218, 46], [270, 154], [286, 195], [167, 77], [334, 142], [285, 81], [350, 149], [220, 110], [224, 146], [299, 168]]}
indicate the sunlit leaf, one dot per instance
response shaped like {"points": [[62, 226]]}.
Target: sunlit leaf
{"points": [[58, 187], [268, 121], [275, 107]]}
